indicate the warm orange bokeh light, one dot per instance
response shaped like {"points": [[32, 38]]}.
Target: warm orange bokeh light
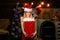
{"points": [[32, 3], [48, 5], [42, 3], [39, 6]]}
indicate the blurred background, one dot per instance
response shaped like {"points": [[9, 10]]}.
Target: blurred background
{"points": [[48, 17]]}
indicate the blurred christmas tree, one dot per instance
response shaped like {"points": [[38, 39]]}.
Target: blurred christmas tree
{"points": [[15, 28]]}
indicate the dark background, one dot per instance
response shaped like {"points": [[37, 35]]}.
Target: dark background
{"points": [[6, 6]]}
